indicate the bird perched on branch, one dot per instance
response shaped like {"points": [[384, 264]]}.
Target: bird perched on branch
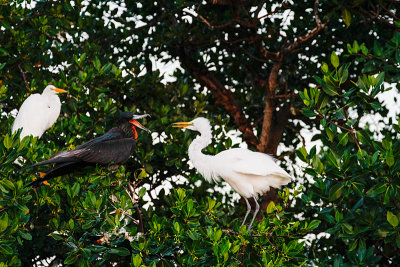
{"points": [[111, 149], [249, 173], [38, 112]]}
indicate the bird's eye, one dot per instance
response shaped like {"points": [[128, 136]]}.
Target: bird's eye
{"points": [[48, 106]]}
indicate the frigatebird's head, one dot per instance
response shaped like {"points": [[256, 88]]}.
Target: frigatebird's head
{"points": [[131, 118]]}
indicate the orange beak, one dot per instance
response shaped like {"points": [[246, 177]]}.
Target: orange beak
{"points": [[59, 90], [182, 124], [137, 124]]}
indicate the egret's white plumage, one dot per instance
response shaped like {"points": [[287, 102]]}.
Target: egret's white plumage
{"points": [[38, 112], [249, 173]]}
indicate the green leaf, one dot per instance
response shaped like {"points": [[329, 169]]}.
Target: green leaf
{"points": [[142, 192], [271, 207], [189, 205], [3, 221], [336, 191], [313, 224], [334, 59], [302, 154], [346, 16], [308, 113], [389, 157], [344, 138], [71, 259], [143, 174], [392, 219], [25, 235], [96, 63], [7, 141], [120, 251], [136, 260], [324, 67], [329, 133]]}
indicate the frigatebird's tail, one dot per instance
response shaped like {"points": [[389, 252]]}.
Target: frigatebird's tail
{"points": [[58, 170]]}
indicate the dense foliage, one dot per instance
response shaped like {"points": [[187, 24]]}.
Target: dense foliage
{"points": [[244, 65]]}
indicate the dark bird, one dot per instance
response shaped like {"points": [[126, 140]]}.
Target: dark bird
{"points": [[111, 149]]}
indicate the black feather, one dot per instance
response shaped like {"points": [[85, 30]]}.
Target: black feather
{"points": [[112, 148]]}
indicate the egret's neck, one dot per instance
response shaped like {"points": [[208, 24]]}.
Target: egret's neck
{"points": [[199, 160]]}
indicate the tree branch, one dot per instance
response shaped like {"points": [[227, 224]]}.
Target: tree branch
{"points": [[222, 96], [269, 106], [24, 77], [309, 35]]}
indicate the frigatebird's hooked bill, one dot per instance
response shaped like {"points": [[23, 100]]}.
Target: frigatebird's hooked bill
{"points": [[111, 149]]}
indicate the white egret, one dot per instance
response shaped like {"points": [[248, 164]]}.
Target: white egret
{"points": [[249, 173], [38, 112]]}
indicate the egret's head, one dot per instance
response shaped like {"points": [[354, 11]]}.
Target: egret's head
{"points": [[132, 118], [51, 89], [197, 124]]}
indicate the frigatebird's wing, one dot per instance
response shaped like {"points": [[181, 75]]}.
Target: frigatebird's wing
{"points": [[108, 148]]}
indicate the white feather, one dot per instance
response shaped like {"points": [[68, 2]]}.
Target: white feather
{"points": [[38, 113], [249, 173]]}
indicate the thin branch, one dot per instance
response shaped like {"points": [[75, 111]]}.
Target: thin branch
{"points": [[259, 7], [127, 215], [24, 77], [214, 26], [350, 130], [284, 4], [132, 190], [311, 34], [389, 12], [285, 96], [139, 212], [317, 19], [305, 38]]}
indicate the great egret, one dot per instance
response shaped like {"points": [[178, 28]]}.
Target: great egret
{"points": [[38, 112], [112, 149], [249, 173]]}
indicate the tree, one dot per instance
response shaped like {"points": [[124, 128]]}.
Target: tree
{"points": [[244, 64]]}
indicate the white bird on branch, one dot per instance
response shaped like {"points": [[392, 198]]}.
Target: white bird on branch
{"points": [[249, 173], [38, 112]]}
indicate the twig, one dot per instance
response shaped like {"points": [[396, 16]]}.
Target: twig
{"points": [[281, 156], [127, 215], [243, 249], [284, 96], [350, 130], [140, 219], [214, 26], [132, 190], [24, 76], [389, 12], [274, 11], [317, 20], [312, 33]]}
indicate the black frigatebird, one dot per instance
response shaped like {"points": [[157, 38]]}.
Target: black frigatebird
{"points": [[111, 149]]}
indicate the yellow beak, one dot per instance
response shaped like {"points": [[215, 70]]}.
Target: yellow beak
{"points": [[182, 124], [58, 90]]}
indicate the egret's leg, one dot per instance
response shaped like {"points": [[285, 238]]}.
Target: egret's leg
{"points": [[247, 212], [255, 213]]}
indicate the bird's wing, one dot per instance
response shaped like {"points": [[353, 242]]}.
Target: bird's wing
{"points": [[108, 148], [106, 151], [31, 116], [254, 163]]}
